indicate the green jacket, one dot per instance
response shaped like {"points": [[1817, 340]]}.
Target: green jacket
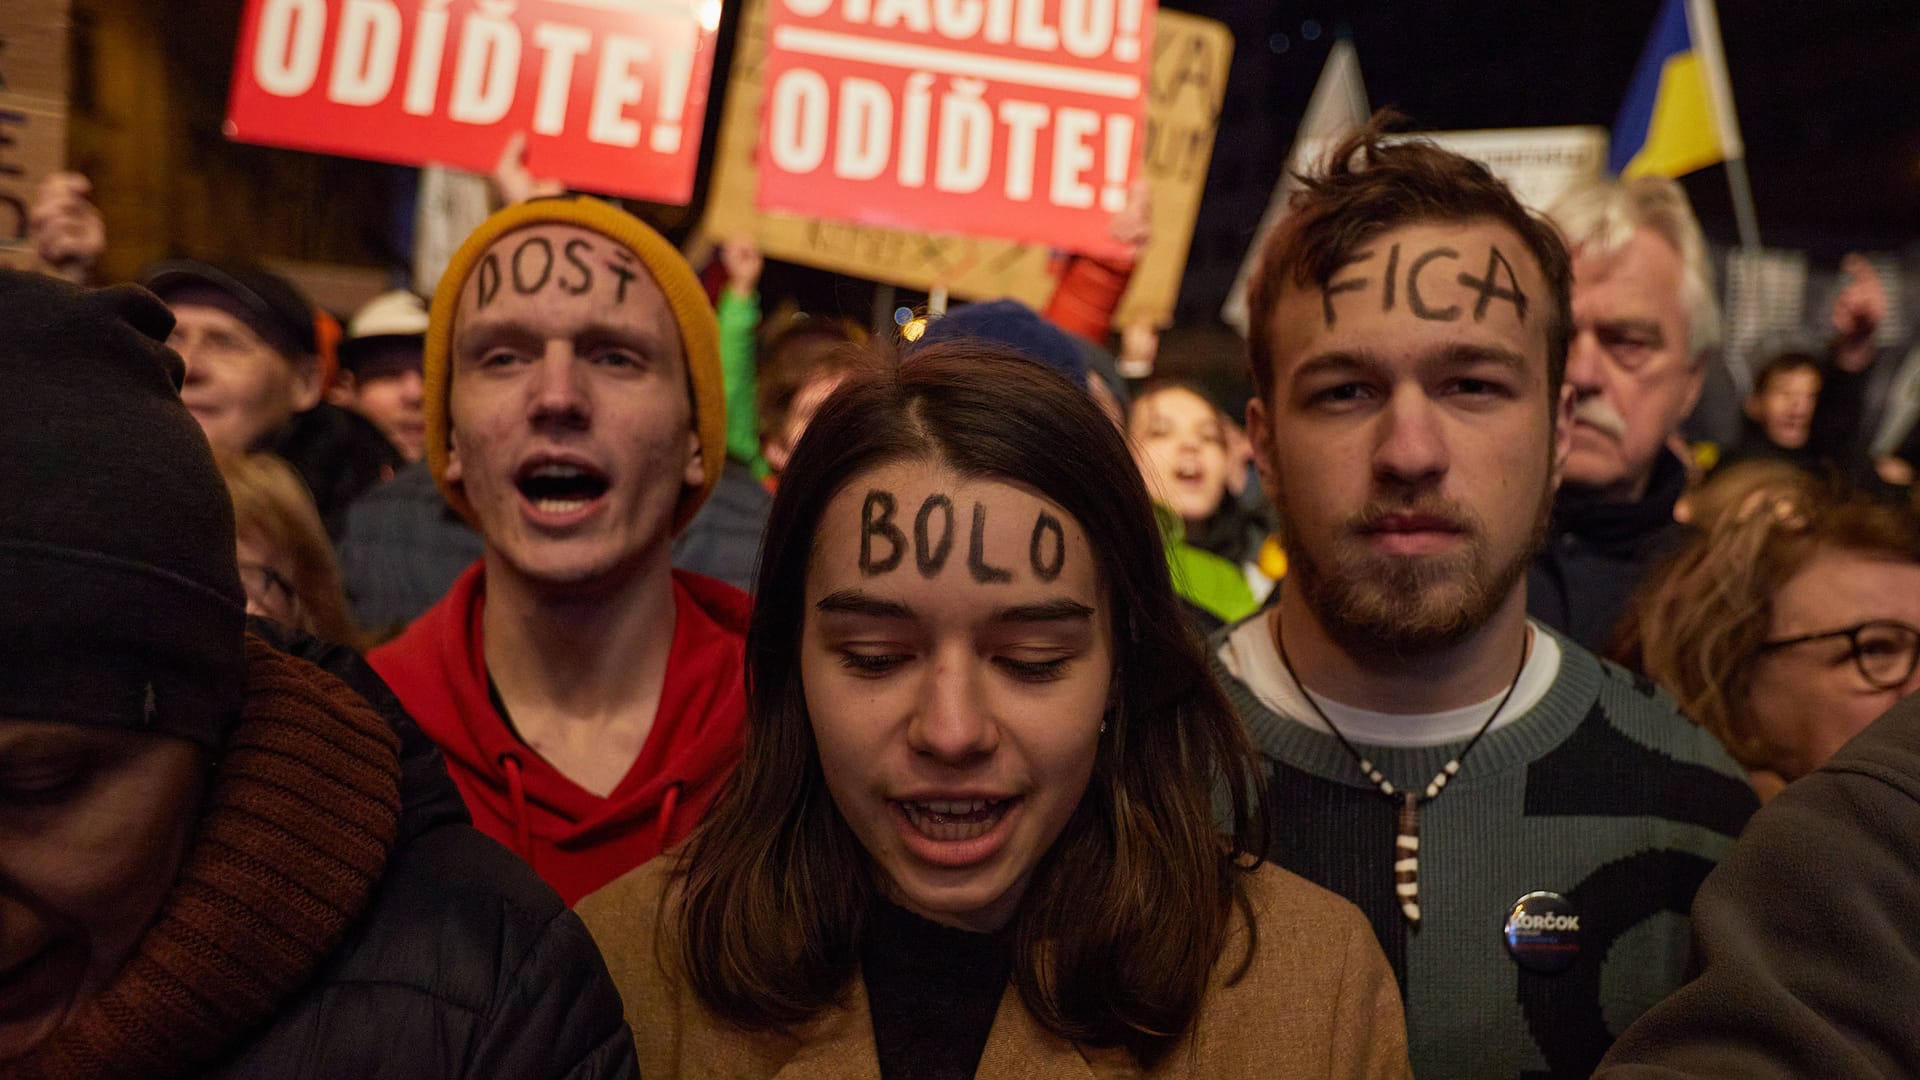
{"points": [[1202, 578], [739, 318]]}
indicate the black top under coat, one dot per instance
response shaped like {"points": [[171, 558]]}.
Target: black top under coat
{"points": [[933, 992]]}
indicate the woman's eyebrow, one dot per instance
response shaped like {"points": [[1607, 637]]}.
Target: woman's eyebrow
{"points": [[1045, 611], [855, 602]]}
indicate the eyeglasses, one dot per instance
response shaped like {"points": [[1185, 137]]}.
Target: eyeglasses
{"points": [[268, 590], [1885, 651]]}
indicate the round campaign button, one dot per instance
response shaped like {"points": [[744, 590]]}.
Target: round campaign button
{"points": [[1543, 932]]}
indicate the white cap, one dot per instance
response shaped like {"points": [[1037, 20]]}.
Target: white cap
{"points": [[391, 314]]}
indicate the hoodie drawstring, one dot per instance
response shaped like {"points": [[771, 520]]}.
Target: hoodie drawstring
{"points": [[668, 803], [517, 794]]}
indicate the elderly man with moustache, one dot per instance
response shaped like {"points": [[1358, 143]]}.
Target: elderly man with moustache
{"points": [[1644, 323]]}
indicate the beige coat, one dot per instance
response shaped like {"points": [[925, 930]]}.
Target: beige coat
{"points": [[1318, 1001]]}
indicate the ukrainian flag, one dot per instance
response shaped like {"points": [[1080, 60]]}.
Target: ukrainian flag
{"points": [[1678, 115]]}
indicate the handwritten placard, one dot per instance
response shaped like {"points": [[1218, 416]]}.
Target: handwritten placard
{"points": [[33, 114]]}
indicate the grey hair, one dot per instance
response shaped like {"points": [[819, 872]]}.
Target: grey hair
{"points": [[1601, 217]]}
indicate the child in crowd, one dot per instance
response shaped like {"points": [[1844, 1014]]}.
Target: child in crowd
{"points": [[1180, 445], [1780, 412], [802, 364]]}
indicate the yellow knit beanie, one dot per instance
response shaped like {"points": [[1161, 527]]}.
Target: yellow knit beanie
{"points": [[687, 299]]}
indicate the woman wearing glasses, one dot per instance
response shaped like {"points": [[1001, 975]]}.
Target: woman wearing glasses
{"points": [[286, 564], [1787, 624]]}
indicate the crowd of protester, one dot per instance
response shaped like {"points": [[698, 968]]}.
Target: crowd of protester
{"points": [[614, 674]]}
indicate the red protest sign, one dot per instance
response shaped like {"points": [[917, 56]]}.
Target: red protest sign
{"points": [[611, 93], [1017, 119]]}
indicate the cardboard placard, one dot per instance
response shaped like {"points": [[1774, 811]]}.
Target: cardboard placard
{"points": [[33, 115], [611, 93], [1539, 164], [1017, 120], [1187, 74]]}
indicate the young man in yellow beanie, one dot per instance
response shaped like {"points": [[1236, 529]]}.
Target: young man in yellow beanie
{"points": [[587, 696]]}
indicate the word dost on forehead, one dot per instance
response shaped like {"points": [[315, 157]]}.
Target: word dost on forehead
{"points": [[1396, 285], [529, 265], [884, 545]]}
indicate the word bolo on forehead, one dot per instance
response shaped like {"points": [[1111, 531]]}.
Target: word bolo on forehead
{"points": [[537, 265], [933, 529], [1488, 285]]}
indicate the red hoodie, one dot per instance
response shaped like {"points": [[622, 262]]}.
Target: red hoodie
{"points": [[575, 839]]}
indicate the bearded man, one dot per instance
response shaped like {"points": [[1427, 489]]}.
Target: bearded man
{"points": [[1523, 824]]}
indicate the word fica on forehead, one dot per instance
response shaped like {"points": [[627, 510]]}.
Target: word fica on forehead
{"points": [[535, 265], [933, 527], [1487, 285]]}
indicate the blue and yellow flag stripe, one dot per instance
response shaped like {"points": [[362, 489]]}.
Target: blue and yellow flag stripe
{"points": [[1678, 115]]}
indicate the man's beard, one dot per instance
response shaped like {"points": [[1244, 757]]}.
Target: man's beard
{"points": [[1408, 605]]}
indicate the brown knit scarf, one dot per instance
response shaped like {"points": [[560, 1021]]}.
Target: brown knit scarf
{"points": [[304, 807]]}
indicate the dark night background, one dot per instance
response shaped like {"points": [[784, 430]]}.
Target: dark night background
{"points": [[1827, 95]]}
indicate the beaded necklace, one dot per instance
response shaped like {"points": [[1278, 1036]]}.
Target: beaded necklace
{"points": [[1406, 843]]}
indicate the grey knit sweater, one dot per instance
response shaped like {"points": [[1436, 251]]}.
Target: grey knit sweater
{"points": [[1601, 793]]}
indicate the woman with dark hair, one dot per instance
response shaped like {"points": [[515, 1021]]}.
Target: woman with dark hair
{"points": [[973, 829]]}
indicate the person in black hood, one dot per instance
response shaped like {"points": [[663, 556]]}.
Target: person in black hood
{"points": [[217, 858]]}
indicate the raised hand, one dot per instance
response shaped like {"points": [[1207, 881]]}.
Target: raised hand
{"points": [[67, 230]]}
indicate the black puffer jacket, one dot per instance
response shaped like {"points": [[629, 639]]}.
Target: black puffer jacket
{"points": [[465, 964]]}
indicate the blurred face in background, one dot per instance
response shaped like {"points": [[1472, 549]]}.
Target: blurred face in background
{"points": [[94, 822], [1180, 444], [1807, 699], [778, 448], [1784, 406], [239, 387], [386, 387], [268, 574]]}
